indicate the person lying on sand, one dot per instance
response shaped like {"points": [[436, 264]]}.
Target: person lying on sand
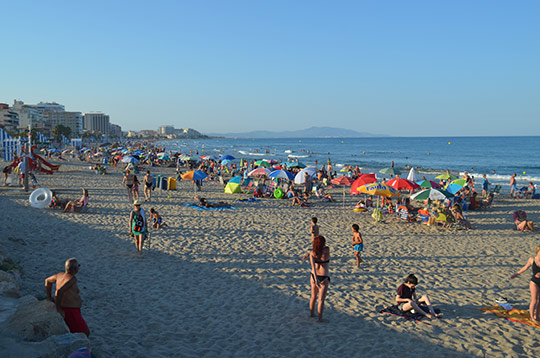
{"points": [[209, 204], [407, 301]]}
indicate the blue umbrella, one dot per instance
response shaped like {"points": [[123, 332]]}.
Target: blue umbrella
{"points": [[226, 157], [225, 162], [453, 188], [129, 159], [281, 174], [236, 180]]}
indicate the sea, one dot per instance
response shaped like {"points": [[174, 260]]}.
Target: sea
{"points": [[497, 157]]}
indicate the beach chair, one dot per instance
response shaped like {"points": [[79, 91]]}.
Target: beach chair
{"points": [[403, 213], [496, 189], [424, 216]]}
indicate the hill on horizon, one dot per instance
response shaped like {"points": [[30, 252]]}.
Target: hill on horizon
{"points": [[313, 132]]}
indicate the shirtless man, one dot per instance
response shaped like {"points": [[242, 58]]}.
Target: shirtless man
{"points": [[128, 183], [68, 302], [148, 183]]}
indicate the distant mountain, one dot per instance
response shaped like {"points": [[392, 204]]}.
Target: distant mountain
{"points": [[313, 132]]}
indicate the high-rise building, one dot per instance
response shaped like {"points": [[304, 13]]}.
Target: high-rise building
{"points": [[73, 120], [96, 122], [8, 118], [29, 115], [115, 130], [166, 130], [43, 107]]}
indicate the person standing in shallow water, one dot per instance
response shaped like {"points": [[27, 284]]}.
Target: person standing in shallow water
{"points": [[319, 259]]}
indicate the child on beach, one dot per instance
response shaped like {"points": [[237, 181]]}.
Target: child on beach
{"points": [[406, 298], [135, 188], [358, 244], [157, 220]]}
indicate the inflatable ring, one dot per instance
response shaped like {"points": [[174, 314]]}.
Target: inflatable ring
{"points": [[358, 209], [40, 198], [278, 193]]}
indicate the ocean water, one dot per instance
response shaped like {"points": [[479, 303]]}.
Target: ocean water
{"points": [[498, 157]]}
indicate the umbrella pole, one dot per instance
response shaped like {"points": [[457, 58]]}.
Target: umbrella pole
{"points": [[344, 198]]}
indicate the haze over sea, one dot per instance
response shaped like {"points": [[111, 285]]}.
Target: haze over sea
{"points": [[498, 157]]}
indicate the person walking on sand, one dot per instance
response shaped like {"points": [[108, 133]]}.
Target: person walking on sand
{"points": [[67, 300], [148, 183], [319, 259], [406, 298], [138, 226], [127, 181], [534, 284], [358, 244]]}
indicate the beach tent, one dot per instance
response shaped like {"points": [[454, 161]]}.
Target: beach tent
{"points": [[300, 178], [232, 188]]}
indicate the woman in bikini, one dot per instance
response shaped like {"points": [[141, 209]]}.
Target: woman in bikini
{"points": [[128, 183], [135, 188], [319, 258], [77, 205], [148, 183], [534, 284]]}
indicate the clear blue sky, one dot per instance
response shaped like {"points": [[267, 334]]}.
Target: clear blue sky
{"points": [[411, 68]]}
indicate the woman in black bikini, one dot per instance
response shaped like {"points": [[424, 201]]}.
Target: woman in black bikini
{"points": [[319, 258], [128, 183], [534, 284]]}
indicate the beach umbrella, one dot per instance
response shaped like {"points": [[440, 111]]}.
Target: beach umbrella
{"points": [[129, 159], [236, 180], [429, 184], [402, 184], [232, 188], [164, 157], [460, 182], [296, 165], [412, 175], [226, 161], [453, 188], [281, 174], [262, 163], [446, 177], [362, 180], [390, 171], [194, 175], [259, 171], [300, 178], [54, 150], [378, 189], [186, 157], [342, 181], [433, 194], [227, 157]]}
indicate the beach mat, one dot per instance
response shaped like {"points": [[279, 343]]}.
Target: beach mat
{"points": [[395, 311], [250, 200], [514, 315], [194, 206]]}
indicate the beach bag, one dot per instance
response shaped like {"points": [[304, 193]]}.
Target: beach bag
{"points": [[377, 215]]}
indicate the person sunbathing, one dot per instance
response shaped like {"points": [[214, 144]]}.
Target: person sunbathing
{"points": [[77, 205], [209, 204]]}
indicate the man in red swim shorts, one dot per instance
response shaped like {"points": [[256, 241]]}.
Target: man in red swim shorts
{"points": [[68, 302]]}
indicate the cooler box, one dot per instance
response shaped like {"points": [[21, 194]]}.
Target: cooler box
{"points": [[172, 184], [164, 183]]}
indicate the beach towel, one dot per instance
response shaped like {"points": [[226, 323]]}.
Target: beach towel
{"points": [[205, 208], [514, 315], [250, 200], [396, 311]]}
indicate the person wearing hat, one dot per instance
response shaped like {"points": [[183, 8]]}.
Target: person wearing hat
{"points": [[137, 225]]}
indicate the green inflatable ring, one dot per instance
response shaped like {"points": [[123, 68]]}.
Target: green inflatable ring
{"points": [[278, 193]]}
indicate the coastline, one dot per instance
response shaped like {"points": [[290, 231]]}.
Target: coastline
{"points": [[231, 282]]}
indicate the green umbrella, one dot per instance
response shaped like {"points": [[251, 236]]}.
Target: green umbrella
{"points": [[262, 163], [433, 194], [446, 177], [461, 182], [296, 165], [390, 171]]}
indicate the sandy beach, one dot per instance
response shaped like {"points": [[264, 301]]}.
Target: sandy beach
{"points": [[231, 283]]}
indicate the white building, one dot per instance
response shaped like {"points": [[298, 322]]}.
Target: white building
{"points": [[28, 115], [165, 130]]}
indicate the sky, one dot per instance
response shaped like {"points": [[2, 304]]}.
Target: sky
{"points": [[400, 68]]}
